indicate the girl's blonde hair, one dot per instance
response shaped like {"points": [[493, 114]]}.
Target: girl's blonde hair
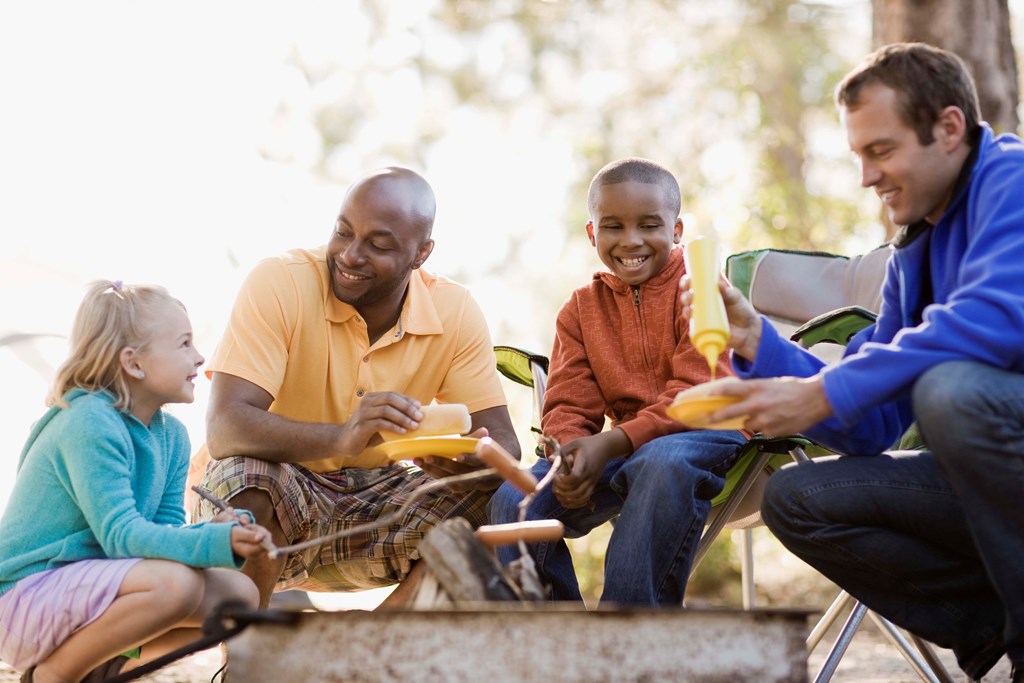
{"points": [[112, 316]]}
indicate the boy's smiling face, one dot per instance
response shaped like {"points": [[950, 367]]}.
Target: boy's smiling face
{"points": [[633, 228]]}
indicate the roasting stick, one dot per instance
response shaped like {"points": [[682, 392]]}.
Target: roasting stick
{"points": [[522, 531], [221, 504]]}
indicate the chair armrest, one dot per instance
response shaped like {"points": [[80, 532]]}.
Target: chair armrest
{"points": [[519, 364], [835, 327]]}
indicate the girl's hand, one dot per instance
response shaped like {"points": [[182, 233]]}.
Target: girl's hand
{"points": [[230, 514], [249, 541]]}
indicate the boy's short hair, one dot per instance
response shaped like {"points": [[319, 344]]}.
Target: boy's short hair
{"points": [[637, 170], [925, 79]]}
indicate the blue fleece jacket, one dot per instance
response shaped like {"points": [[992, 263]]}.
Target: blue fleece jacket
{"points": [[94, 482], [976, 312]]}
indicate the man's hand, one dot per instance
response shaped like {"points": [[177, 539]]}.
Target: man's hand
{"points": [[387, 410], [776, 407], [586, 458], [744, 322], [440, 467]]}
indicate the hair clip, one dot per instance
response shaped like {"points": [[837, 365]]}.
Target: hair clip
{"points": [[117, 285]]}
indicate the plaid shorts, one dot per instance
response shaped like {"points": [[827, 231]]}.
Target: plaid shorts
{"points": [[314, 504]]}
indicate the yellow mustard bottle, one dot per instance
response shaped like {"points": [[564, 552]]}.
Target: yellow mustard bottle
{"points": [[709, 325]]}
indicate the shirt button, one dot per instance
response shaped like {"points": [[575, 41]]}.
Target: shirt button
{"points": [[360, 392], [366, 359]]}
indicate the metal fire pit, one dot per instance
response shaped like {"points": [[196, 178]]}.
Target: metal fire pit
{"points": [[495, 645]]}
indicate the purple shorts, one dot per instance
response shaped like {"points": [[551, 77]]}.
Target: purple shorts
{"points": [[43, 610]]}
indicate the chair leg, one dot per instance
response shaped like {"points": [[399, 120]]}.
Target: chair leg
{"points": [[747, 568], [827, 619], [842, 643], [723, 515], [927, 670], [928, 652]]}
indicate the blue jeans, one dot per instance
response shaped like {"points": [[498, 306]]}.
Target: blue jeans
{"points": [[662, 495], [932, 540]]}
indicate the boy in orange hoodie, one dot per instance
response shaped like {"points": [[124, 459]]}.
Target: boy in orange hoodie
{"points": [[622, 350]]}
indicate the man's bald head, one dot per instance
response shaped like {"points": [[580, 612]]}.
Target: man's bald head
{"points": [[400, 192]]}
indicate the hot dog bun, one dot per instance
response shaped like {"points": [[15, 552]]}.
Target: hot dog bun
{"points": [[693, 406], [704, 390], [439, 419]]}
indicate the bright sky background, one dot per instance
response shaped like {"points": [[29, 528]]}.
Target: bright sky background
{"points": [[129, 148]]}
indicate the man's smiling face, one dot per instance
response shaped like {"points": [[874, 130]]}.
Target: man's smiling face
{"points": [[914, 181]]}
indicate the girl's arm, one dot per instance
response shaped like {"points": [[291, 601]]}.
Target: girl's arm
{"points": [[96, 463]]}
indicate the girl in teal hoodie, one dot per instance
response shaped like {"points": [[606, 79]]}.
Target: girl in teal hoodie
{"points": [[95, 559]]}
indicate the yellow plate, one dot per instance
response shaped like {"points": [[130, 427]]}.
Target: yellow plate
{"points": [[694, 412], [422, 446]]}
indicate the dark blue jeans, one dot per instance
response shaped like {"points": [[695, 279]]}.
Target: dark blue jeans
{"points": [[932, 540], [662, 495]]}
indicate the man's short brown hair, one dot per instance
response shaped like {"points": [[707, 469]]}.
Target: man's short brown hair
{"points": [[926, 80]]}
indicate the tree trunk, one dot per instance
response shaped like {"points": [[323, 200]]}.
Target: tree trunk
{"points": [[977, 30]]}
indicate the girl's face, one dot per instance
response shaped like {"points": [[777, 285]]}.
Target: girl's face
{"points": [[168, 364]]}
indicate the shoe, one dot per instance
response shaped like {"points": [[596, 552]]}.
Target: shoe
{"points": [[107, 669]]}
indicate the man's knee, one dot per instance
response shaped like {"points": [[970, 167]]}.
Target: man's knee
{"points": [[259, 503], [943, 392], [782, 495]]}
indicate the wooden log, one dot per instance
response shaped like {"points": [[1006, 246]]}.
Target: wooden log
{"points": [[463, 567]]}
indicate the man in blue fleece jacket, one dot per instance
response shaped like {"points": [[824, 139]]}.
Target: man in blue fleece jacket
{"points": [[932, 540]]}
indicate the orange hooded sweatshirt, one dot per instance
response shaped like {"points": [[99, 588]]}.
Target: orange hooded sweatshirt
{"points": [[623, 352]]}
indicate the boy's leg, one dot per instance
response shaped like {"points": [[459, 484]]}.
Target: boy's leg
{"points": [[891, 531], [553, 560], [667, 484], [972, 417]]}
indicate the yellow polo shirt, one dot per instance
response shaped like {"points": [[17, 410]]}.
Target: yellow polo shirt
{"points": [[291, 336]]}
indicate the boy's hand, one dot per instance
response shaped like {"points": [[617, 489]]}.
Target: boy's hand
{"points": [[744, 322], [248, 541], [587, 458]]}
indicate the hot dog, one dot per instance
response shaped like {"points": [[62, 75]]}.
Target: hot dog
{"points": [[508, 467]]}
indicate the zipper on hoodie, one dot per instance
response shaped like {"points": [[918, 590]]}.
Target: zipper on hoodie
{"points": [[644, 351]]}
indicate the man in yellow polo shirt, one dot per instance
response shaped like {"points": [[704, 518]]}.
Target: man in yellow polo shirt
{"points": [[324, 349]]}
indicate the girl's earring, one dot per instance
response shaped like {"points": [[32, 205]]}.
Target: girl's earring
{"points": [[142, 375]]}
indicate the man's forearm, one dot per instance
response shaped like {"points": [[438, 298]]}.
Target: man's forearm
{"points": [[499, 427], [247, 430]]}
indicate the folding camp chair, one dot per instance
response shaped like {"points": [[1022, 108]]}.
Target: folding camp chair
{"points": [[820, 300], [736, 507]]}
